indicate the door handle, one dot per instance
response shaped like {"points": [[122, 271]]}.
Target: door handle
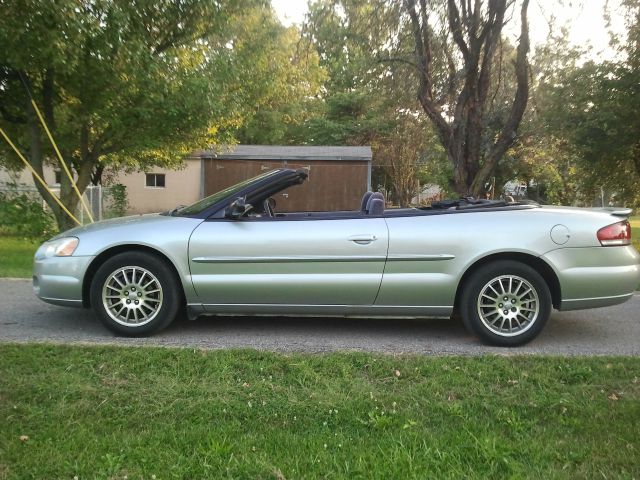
{"points": [[364, 239]]}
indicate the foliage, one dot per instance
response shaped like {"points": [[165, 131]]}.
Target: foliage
{"points": [[579, 139], [355, 106], [346, 118], [405, 157], [107, 412], [117, 201], [576, 135], [139, 81], [467, 98], [128, 85], [278, 79], [22, 215], [542, 157], [599, 120], [364, 100], [348, 35]]}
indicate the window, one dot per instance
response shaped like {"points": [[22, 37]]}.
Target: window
{"points": [[58, 177], [155, 180]]}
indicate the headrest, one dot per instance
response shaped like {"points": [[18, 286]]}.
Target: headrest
{"points": [[376, 207], [365, 199], [372, 197]]}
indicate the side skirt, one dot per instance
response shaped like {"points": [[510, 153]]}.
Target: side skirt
{"points": [[265, 309]]}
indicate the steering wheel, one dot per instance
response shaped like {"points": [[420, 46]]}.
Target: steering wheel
{"points": [[269, 205]]}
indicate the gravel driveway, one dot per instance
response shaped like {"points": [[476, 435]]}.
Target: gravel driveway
{"points": [[605, 331]]}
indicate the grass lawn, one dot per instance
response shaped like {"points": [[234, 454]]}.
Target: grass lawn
{"points": [[16, 256], [109, 412]]}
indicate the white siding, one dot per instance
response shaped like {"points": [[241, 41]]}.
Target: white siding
{"points": [[182, 187]]}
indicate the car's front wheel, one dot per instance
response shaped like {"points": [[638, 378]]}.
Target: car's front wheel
{"points": [[135, 294], [505, 303]]}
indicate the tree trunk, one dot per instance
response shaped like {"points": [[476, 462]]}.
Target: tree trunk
{"points": [[36, 159], [87, 159]]}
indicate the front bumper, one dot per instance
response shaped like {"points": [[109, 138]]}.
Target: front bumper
{"points": [[593, 277], [58, 280]]}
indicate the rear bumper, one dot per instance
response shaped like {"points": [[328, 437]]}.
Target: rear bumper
{"points": [[58, 280], [593, 277]]}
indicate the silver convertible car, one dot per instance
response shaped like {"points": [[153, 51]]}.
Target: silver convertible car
{"points": [[500, 266]]}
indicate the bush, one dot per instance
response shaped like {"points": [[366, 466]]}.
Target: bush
{"points": [[22, 215], [116, 200]]}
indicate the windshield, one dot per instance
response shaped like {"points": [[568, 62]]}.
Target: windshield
{"points": [[205, 203]]}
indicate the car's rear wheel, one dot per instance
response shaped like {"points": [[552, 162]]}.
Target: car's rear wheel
{"points": [[505, 303], [135, 294]]}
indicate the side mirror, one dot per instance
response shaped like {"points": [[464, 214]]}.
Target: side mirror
{"points": [[236, 209]]}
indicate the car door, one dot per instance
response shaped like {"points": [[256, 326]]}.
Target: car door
{"points": [[424, 260], [291, 262]]}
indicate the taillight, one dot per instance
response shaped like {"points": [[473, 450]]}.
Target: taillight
{"points": [[616, 234]]}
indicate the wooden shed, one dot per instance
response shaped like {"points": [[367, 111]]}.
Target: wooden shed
{"points": [[338, 176]]}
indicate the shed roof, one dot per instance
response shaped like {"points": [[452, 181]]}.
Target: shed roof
{"points": [[278, 152]]}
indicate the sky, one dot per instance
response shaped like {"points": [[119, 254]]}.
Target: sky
{"points": [[290, 11], [583, 18]]}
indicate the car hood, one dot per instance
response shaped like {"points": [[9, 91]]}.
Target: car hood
{"points": [[150, 220]]}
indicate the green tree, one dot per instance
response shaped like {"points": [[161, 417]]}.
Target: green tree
{"points": [[346, 118], [600, 120], [365, 99], [543, 156], [279, 80], [353, 106], [379, 54], [140, 81], [583, 127], [587, 116]]}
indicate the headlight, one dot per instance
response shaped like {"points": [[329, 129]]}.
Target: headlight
{"points": [[61, 247]]}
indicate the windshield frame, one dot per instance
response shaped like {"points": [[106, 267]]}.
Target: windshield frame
{"points": [[216, 203]]}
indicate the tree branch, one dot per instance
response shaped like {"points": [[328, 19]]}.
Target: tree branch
{"points": [[508, 133], [492, 35], [398, 60], [456, 29], [425, 94]]}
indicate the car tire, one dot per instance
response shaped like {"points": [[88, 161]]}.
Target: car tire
{"points": [[135, 294], [505, 303]]}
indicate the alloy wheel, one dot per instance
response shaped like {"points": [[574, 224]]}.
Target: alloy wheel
{"points": [[132, 296], [508, 305]]}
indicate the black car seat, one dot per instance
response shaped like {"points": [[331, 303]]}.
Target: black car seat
{"points": [[365, 199], [376, 207], [372, 197]]}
